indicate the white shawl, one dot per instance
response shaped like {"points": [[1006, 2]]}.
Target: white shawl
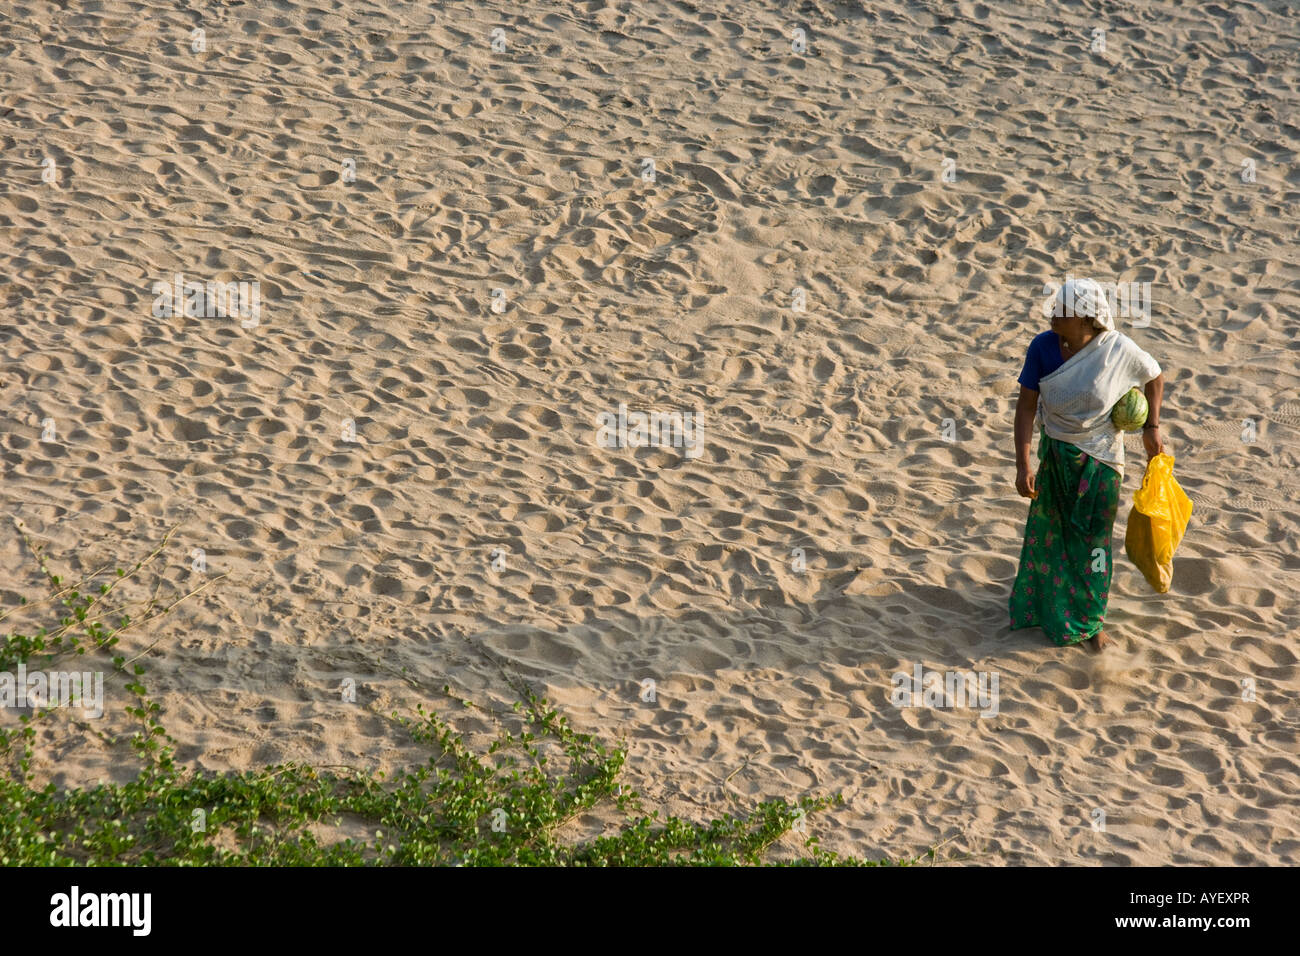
{"points": [[1074, 402]]}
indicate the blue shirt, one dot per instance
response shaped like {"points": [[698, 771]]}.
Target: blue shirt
{"points": [[1043, 359]]}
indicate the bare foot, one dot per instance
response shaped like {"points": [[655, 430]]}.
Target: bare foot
{"points": [[1098, 641]]}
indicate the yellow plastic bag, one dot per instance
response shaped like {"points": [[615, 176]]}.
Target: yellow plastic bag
{"points": [[1157, 523]]}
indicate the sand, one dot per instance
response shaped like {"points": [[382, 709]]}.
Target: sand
{"points": [[476, 514]]}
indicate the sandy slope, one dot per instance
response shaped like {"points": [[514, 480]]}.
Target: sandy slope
{"points": [[521, 170]]}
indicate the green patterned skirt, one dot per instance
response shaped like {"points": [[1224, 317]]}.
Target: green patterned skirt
{"points": [[1063, 583]]}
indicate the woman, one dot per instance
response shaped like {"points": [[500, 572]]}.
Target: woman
{"points": [[1072, 378]]}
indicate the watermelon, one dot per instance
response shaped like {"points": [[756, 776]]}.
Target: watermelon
{"points": [[1130, 412]]}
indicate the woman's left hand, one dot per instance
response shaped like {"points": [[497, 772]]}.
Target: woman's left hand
{"points": [[1152, 443]]}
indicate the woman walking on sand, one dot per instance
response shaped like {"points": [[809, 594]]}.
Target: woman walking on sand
{"points": [[1073, 376]]}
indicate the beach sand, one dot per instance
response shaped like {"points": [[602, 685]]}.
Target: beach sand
{"points": [[477, 517]]}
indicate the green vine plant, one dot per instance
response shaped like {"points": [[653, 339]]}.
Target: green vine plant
{"points": [[506, 806]]}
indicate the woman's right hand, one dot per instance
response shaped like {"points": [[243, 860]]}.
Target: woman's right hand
{"points": [[1025, 483]]}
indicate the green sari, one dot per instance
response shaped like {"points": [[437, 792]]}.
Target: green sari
{"points": [[1063, 583]]}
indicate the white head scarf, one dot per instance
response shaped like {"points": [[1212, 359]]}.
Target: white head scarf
{"points": [[1087, 298]]}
